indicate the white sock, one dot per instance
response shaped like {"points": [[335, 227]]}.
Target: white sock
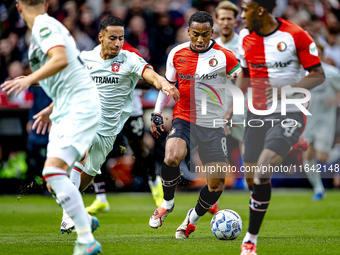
{"points": [[168, 204], [333, 155], [102, 197], [314, 177], [194, 217], [76, 173], [71, 201], [250, 238]]}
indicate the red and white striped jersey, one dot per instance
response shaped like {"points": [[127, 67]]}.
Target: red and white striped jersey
{"points": [[279, 58], [197, 75]]}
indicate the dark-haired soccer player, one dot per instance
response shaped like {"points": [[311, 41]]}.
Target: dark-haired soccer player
{"points": [[197, 66], [116, 73], [55, 63], [273, 53]]}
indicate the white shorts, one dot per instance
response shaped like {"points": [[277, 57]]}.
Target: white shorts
{"points": [[98, 151], [322, 136], [76, 129]]}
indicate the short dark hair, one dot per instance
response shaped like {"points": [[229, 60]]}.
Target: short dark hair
{"points": [[110, 21], [201, 17], [33, 2], [268, 4]]}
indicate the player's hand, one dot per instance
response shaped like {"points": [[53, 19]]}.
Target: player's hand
{"points": [[18, 84], [169, 89], [269, 92], [227, 116], [156, 121], [42, 120]]}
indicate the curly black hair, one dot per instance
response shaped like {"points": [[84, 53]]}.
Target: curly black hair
{"points": [[201, 17]]}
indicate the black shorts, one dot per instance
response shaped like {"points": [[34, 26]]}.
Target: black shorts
{"points": [[272, 135], [134, 128], [211, 142]]}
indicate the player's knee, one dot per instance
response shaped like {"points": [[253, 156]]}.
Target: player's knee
{"points": [[172, 160], [216, 187], [322, 158]]}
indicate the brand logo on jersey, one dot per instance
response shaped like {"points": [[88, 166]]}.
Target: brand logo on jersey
{"points": [[272, 65], [115, 67], [88, 67], [282, 46], [173, 130], [45, 32], [213, 62], [197, 76], [182, 60], [313, 50], [105, 79]]}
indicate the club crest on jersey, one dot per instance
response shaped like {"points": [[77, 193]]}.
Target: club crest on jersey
{"points": [[213, 62], [173, 130], [282, 46], [115, 67]]}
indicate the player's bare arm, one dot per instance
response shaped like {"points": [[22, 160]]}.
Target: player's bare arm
{"points": [[315, 77], [161, 83], [57, 62]]}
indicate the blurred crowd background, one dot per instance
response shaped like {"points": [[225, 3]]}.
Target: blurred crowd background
{"points": [[154, 27]]}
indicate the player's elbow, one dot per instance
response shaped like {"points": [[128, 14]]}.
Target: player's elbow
{"points": [[320, 74]]}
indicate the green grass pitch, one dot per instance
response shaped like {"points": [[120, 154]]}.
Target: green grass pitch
{"points": [[293, 225]]}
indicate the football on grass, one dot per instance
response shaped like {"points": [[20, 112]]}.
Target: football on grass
{"points": [[226, 225]]}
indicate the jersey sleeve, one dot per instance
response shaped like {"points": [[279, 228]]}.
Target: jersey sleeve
{"points": [[232, 65], [48, 36], [306, 50], [171, 72], [241, 52], [138, 64]]}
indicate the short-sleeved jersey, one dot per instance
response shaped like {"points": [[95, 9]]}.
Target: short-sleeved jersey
{"points": [[72, 84], [197, 75], [116, 79], [320, 110], [278, 58], [232, 45]]}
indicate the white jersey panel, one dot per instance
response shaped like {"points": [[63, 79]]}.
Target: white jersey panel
{"points": [[116, 80], [232, 45], [284, 66], [72, 85]]}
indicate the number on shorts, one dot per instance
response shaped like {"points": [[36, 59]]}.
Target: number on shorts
{"points": [[224, 145], [289, 131]]}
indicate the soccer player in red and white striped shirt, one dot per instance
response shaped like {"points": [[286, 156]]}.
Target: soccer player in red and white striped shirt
{"points": [[273, 53]]}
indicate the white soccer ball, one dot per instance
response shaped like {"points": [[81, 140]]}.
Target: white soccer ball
{"points": [[226, 225]]}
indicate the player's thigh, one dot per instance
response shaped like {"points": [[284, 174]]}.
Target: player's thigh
{"points": [[97, 153], [212, 144], [177, 142], [283, 134]]}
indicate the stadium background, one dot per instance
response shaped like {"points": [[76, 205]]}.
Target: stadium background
{"points": [[154, 28]]}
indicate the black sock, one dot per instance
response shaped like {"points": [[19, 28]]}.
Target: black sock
{"points": [[258, 204], [206, 200], [170, 177]]}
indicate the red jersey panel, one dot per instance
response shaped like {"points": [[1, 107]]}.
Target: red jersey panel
{"points": [[280, 58]]}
